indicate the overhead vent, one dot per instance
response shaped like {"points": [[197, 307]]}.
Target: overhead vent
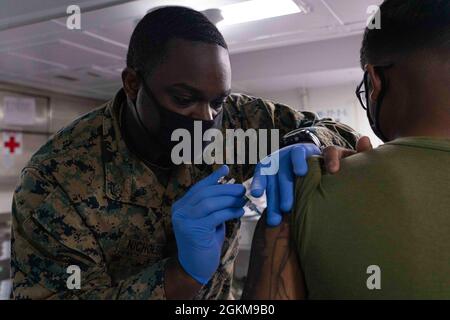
{"points": [[66, 78], [93, 74]]}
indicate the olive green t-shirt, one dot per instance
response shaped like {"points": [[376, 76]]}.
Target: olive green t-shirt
{"points": [[380, 228]]}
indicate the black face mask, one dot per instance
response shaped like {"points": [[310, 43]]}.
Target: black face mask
{"points": [[169, 122], [373, 111]]}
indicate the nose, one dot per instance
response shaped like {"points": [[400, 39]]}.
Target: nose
{"points": [[203, 112]]}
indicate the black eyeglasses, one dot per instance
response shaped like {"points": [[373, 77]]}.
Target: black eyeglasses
{"points": [[362, 90]]}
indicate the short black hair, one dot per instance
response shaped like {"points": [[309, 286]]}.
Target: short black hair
{"points": [[148, 42], [406, 27]]}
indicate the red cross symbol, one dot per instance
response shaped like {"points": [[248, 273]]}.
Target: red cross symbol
{"points": [[11, 144]]}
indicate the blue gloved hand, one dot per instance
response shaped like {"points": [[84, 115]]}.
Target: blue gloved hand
{"points": [[198, 220], [279, 185]]}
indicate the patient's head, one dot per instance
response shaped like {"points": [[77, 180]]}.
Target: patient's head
{"points": [[408, 68]]}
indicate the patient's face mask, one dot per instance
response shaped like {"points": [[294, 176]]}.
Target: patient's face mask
{"points": [[372, 109]]}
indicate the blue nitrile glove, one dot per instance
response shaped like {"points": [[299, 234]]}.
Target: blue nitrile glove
{"points": [[198, 220], [279, 184]]}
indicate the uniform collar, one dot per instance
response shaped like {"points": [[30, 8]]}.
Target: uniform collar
{"points": [[127, 179]]}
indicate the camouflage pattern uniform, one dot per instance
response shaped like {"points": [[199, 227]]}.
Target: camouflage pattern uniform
{"points": [[84, 199]]}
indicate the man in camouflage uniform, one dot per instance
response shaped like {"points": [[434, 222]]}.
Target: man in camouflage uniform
{"points": [[89, 198]]}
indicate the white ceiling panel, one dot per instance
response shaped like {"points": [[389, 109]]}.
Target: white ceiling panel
{"points": [[22, 36], [298, 23], [70, 54], [302, 80], [17, 64], [15, 13], [98, 42], [87, 77], [278, 53], [119, 32], [350, 11]]}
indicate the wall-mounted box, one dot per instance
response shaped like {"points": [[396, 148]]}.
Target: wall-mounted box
{"points": [[26, 113]]}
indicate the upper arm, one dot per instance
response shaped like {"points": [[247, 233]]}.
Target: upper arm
{"points": [[305, 190], [48, 235]]}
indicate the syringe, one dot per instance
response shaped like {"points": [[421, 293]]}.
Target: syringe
{"points": [[253, 205]]}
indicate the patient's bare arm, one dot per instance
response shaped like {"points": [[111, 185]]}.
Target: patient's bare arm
{"points": [[274, 272]]}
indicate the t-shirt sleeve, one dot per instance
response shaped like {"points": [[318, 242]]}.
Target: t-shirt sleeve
{"points": [[305, 190]]}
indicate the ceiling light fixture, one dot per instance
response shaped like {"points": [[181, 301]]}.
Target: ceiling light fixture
{"points": [[213, 15], [254, 10]]}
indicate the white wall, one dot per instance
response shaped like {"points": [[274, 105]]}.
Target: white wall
{"points": [[62, 109], [338, 102], [6, 195]]}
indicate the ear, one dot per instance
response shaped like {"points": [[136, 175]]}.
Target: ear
{"points": [[130, 83], [375, 82]]}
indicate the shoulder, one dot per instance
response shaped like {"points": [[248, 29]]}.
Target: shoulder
{"points": [[359, 176], [80, 136], [65, 162], [70, 158], [244, 102], [255, 112], [357, 173]]}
